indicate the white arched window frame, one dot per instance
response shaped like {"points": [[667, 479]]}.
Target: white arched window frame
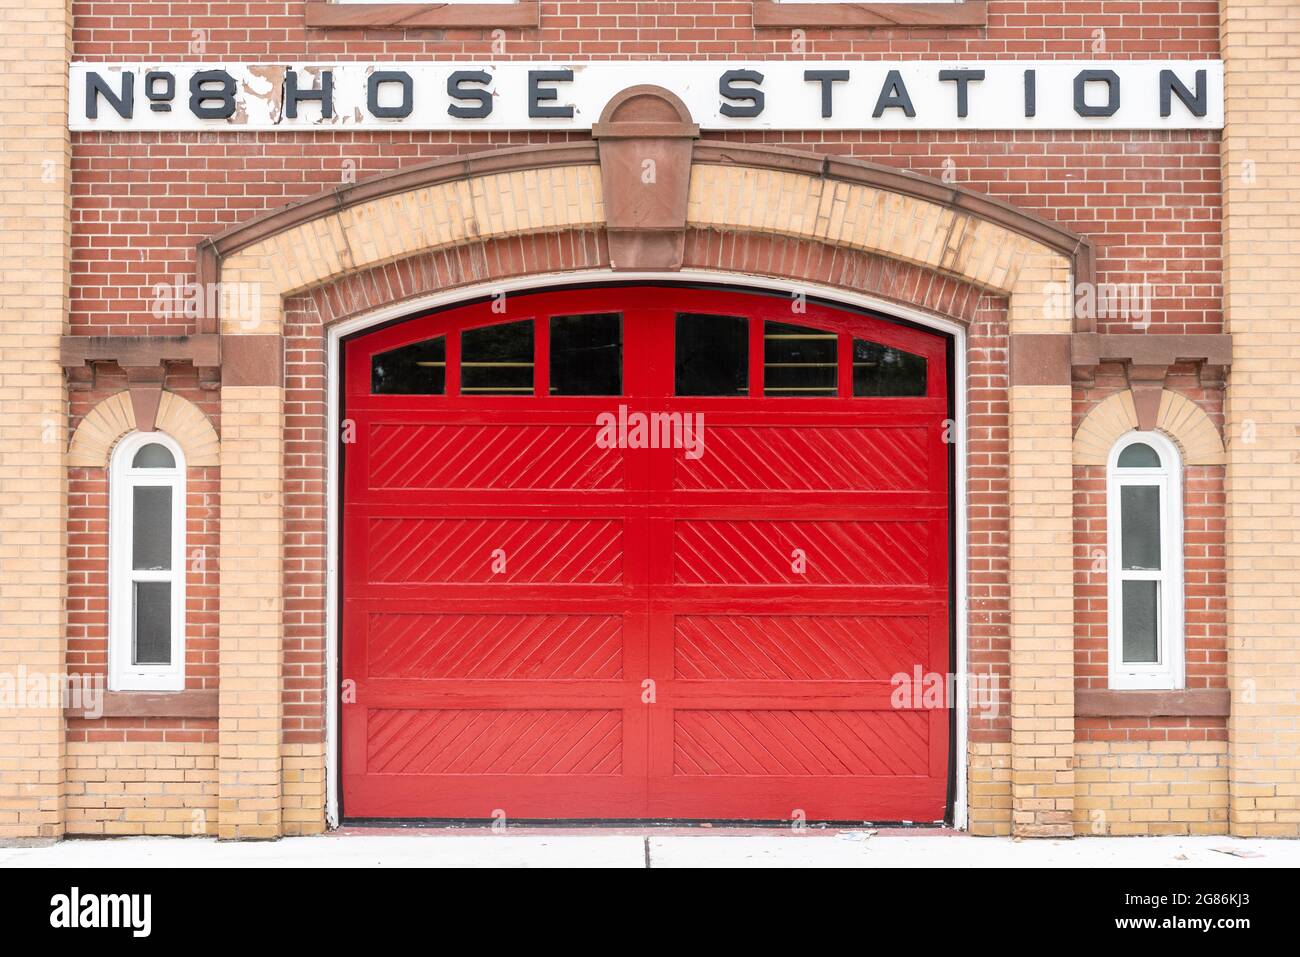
{"points": [[146, 564], [1144, 530]]}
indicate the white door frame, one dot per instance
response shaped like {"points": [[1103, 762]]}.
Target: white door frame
{"points": [[411, 307]]}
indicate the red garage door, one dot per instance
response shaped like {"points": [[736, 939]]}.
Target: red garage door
{"points": [[644, 552]]}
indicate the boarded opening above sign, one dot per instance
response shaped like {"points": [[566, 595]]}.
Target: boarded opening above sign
{"points": [[759, 95]]}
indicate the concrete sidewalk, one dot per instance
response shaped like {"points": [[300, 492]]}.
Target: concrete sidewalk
{"points": [[656, 847]]}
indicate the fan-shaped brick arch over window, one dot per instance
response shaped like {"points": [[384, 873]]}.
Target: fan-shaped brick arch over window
{"points": [[114, 417], [734, 191], [1179, 417]]}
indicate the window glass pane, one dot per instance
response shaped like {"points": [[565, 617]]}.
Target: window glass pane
{"points": [[587, 354], [1139, 520], [799, 361], [497, 360], [153, 456], [151, 528], [153, 623], [1139, 456], [712, 354], [417, 369], [883, 370], [1140, 613]]}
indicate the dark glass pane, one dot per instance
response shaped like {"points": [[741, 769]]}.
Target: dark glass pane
{"points": [[497, 360], [151, 528], [1139, 523], [1139, 456], [153, 456], [883, 370], [1141, 608], [153, 623], [712, 354], [799, 361], [587, 354], [417, 369]]}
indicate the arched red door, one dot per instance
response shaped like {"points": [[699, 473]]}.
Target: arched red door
{"points": [[644, 552]]}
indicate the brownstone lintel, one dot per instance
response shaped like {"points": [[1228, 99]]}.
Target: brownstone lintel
{"points": [[154, 704], [1151, 349], [202, 350], [969, 13], [1187, 703], [322, 14]]}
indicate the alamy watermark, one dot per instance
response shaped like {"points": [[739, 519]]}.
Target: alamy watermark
{"points": [[1099, 300], [931, 690], [651, 430], [24, 690], [238, 302]]}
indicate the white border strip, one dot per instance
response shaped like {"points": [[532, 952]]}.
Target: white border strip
{"points": [[545, 280]]}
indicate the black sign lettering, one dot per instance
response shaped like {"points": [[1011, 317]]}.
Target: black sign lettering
{"points": [[1170, 84], [457, 90], [124, 104], [324, 94], [827, 78], [380, 77], [201, 93], [1081, 81], [894, 96], [160, 100], [538, 94], [754, 97], [962, 78]]}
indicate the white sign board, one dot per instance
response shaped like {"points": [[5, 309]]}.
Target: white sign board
{"points": [[748, 95]]}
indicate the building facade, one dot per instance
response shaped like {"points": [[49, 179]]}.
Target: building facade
{"points": [[614, 411]]}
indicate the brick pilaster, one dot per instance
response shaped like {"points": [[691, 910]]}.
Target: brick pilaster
{"points": [[1261, 49], [1042, 613], [252, 536], [35, 154]]}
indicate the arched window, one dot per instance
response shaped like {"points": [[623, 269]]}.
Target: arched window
{"points": [[1144, 522], [146, 564]]}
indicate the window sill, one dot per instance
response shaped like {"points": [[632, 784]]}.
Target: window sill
{"points": [[1189, 703], [434, 16], [972, 13], [154, 704]]}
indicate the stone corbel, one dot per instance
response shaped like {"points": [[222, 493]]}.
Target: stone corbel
{"points": [[143, 359], [646, 138], [1146, 359]]}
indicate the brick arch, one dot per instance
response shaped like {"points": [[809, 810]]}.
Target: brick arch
{"points": [[546, 190], [114, 417], [1185, 422], [587, 250]]}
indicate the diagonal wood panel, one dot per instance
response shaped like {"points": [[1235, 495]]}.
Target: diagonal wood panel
{"points": [[724, 552], [798, 647], [784, 458], [471, 457], [461, 550], [495, 646], [799, 743], [482, 741]]}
